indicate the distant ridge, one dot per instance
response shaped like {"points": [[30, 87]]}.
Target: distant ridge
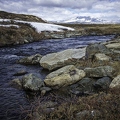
{"points": [[86, 20], [23, 17]]}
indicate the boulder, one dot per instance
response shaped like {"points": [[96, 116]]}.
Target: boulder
{"points": [[102, 57], [34, 59], [60, 59], [101, 71], [92, 49], [102, 83], [32, 82], [64, 76], [115, 82], [85, 84]]}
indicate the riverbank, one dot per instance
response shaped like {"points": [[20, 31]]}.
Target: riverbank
{"points": [[23, 33], [92, 86], [12, 98]]}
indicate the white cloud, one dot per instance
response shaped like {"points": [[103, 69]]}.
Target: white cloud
{"points": [[63, 9]]}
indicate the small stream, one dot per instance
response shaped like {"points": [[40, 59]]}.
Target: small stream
{"points": [[11, 98]]}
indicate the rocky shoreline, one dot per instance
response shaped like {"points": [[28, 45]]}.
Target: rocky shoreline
{"points": [[84, 71]]}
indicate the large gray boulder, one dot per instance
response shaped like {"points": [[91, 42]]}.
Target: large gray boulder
{"points": [[92, 49], [101, 71], [32, 82], [34, 59], [115, 82], [60, 59], [64, 76]]}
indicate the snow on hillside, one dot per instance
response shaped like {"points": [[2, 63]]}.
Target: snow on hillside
{"points": [[10, 25], [49, 27], [43, 26], [85, 20]]}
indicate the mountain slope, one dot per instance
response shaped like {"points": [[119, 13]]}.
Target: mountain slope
{"points": [[30, 18], [85, 20]]}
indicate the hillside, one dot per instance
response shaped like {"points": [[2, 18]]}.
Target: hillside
{"points": [[30, 18], [20, 29]]}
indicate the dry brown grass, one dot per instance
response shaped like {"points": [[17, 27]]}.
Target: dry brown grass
{"points": [[13, 35], [106, 106], [98, 29]]}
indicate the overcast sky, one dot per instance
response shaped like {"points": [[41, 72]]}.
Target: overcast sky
{"points": [[64, 9]]}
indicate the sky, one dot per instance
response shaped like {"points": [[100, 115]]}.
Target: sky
{"points": [[56, 10]]}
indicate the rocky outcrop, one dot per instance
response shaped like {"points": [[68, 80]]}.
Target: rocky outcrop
{"points": [[34, 59], [115, 82], [64, 76], [92, 49], [32, 82], [63, 58], [101, 71]]}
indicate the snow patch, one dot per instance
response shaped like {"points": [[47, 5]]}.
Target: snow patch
{"points": [[49, 27], [10, 25], [43, 26]]}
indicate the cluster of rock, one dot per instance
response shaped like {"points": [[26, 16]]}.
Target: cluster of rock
{"points": [[67, 74]]}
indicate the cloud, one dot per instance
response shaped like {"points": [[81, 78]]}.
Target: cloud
{"points": [[63, 9], [65, 3]]}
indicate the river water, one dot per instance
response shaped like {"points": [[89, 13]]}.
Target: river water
{"points": [[11, 98]]}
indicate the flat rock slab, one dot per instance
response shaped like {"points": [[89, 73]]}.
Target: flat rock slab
{"points": [[102, 57], [60, 59], [113, 46]]}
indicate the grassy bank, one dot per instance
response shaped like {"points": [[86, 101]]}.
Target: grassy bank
{"points": [[13, 35], [102, 29], [100, 106]]}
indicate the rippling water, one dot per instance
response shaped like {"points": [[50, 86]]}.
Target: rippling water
{"points": [[10, 98]]}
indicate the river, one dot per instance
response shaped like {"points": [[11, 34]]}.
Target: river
{"points": [[11, 98]]}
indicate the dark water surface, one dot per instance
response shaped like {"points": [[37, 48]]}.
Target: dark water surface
{"points": [[11, 98]]}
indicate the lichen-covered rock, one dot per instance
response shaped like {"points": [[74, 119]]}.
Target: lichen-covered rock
{"points": [[34, 59], [101, 71], [115, 82], [64, 76], [92, 49], [32, 82], [60, 59]]}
